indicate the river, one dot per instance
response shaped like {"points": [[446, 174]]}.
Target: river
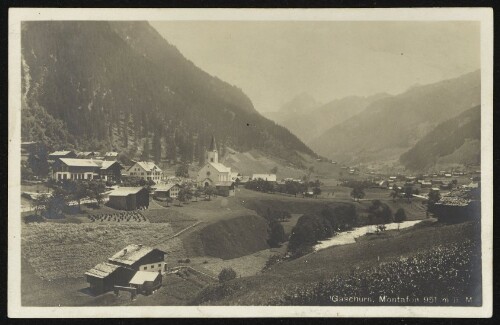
{"points": [[349, 237]]}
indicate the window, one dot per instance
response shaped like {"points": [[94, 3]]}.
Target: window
{"points": [[159, 265], [152, 266], [208, 173], [145, 268]]}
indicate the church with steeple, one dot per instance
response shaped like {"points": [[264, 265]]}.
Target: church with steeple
{"points": [[214, 173]]}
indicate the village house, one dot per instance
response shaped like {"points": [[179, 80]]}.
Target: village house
{"points": [[147, 170], [53, 156], [129, 198], [214, 173], [265, 177], [167, 190], [88, 154], [121, 269], [111, 155], [86, 169]]}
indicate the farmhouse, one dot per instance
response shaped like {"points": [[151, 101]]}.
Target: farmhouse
{"points": [[215, 173], [146, 170], [167, 190], [129, 198], [86, 169], [121, 269], [265, 177], [61, 154]]}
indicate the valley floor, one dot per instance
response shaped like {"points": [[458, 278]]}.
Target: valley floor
{"points": [[223, 232]]}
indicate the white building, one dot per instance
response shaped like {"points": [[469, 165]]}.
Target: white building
{"points": [[265, 177], [214, 173], [146, 170]]}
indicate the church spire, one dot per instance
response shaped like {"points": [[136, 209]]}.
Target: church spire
{"points": [[213, 145]]}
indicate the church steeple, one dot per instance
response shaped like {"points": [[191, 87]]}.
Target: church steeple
{"points": [[212, 153], [213, 145]]}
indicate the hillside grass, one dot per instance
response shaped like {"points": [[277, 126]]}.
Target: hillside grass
{"points": [[287, 277]]}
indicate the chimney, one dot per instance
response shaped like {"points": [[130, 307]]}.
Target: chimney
{"points": [[140, 246], [124, 251]]}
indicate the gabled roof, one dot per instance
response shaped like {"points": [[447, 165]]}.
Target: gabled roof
{"points": [[148, 165], [220, 167], [143, 276], [75, 162], [131, 254], [102, 270], [124, 191], [108, 163], [111, 154], [165, 187], [60, 153], [268, 177]]}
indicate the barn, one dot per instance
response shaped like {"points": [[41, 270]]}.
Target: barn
{"points": [[123, 266], [104, 276], [129, 198]]}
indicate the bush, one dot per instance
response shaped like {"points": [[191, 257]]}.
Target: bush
{"points": [[273, 259], [276, 234], [33, 218], [400, 215], [227, 274]]}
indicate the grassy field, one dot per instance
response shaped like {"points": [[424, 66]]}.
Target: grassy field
{"points": [[58, 251], [322, 265]]}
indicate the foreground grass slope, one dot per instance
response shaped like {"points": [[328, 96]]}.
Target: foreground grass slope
{"points": [[287, 278]]}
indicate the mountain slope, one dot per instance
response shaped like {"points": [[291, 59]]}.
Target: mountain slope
{"points": [[121, 85], [390, 126], [454, 141], [311, 124]]}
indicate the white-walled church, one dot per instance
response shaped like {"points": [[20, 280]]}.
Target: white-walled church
{"points": [[214, 173]]}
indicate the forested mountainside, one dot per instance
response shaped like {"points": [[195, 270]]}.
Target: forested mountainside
{"points": [[308, 124], [450, 138], [120, 85], [390, 126]]}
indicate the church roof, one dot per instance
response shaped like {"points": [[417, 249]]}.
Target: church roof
{"points": [[220, 167], [213, 145]]}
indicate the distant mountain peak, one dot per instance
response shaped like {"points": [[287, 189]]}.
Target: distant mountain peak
{"points": [[301, 103]]}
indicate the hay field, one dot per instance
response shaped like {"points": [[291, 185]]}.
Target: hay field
{"points": [[68, 250]]}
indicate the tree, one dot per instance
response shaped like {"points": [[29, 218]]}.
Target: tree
{"points": [[276, 234], [96, 190], [400, 216], [227, 274], [182, 171], [56, 202], [145, 150], [395, 193], [316, 191], [169, 200], [77, 190], [357, 193], [197, 193], [157, 147], [408, 192], [38, 160], [183, 195], [380, 212], [274, 170], [209, 191]]}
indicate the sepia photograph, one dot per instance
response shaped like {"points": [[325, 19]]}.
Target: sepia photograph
{"points": [[243, 163]]}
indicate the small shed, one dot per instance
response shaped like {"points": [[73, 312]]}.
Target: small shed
{"points": [[146, 282], [129, 198]]}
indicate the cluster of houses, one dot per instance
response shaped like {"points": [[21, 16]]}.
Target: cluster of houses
{"points": [[135, 268], [93, 165]]}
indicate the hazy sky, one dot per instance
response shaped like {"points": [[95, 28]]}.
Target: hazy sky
{"points": [[274, 61]]}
